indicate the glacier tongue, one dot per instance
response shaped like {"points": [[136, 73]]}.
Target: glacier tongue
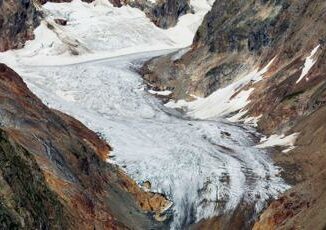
{"points": [[205, 167]]}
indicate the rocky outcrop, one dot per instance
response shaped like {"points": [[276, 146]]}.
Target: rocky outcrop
{"points": [[54, 172], [18, 18], [164, 13], [238, 37]]}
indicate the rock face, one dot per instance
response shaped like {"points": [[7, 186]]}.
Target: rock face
{"points": [[163, 13], [239, 36], [54, 172], [18, 18]]}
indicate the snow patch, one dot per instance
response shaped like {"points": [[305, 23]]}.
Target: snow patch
{"points": [[278, 140], [160, 93], [309, 63]]}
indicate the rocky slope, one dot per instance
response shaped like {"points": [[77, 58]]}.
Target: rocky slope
{"points": [[237, 37], [250, 34], [17, 22], [304, 205], [54, 171]]}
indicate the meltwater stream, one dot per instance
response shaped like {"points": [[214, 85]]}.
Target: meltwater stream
{"points": [[204, 167]]}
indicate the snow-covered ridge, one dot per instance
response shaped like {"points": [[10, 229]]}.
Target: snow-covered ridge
{"points": [[205, 167]]}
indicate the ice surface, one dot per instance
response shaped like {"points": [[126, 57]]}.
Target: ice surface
{"points": [[205, 167]]}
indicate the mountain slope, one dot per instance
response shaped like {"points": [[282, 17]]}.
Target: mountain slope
{"points": [[261, 62], [245, 36], [304, 205]]}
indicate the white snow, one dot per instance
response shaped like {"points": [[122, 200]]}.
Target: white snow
{"points": [[205, 167], [161, 93], [241, 117], [279, 140], [309, 63], [68, 96]]}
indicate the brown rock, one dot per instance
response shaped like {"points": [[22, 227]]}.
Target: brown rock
{"points": [[60, 21], [17, 22]]}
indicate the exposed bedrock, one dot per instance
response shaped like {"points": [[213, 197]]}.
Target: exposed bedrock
{"points": [[18, 18], [164, 13]]}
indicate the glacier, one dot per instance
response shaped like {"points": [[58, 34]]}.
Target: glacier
{"points": [[205, 167]]}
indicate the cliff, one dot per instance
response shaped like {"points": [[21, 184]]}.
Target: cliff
{"points": [[17, 22]]}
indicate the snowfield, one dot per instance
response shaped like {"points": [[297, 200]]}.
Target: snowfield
{"points": [[206, 167]]}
